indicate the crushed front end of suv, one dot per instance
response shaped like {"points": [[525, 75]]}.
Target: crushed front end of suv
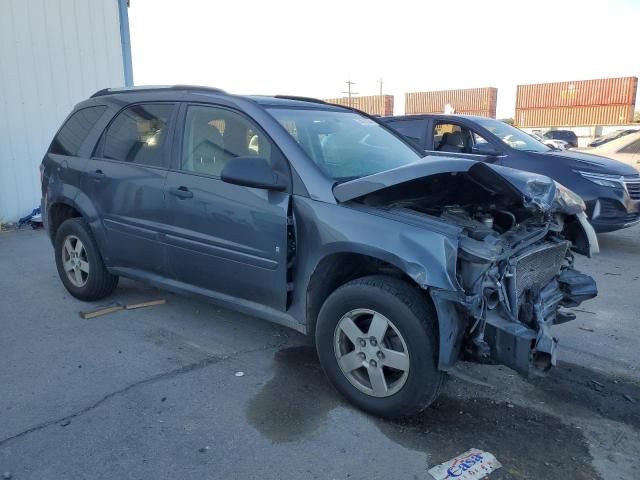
{"points": [[322, 219], [510, 260]]}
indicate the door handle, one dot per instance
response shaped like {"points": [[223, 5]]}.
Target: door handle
{"points": [[97, 174], [181, 192]]}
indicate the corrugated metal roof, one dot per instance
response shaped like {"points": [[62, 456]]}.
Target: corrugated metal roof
{"points": [[53, 54]]}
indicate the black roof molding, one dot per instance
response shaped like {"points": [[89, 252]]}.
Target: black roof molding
{"points": [[301, 99], [156, 88]]}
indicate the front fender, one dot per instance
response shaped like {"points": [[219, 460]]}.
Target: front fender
{"points": [[425, 250]]}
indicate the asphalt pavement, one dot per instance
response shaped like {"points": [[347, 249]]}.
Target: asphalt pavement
{"points": [[190, 390]]}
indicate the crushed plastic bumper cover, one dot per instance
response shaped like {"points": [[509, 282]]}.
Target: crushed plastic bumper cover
{"points": [[531, 351]]}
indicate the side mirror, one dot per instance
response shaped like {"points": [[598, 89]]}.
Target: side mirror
{"points": [[253, 172], [485, 149]]}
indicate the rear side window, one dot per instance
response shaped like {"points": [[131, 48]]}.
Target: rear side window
{"points": [[411, 129], [137, 135], [75, 131]]}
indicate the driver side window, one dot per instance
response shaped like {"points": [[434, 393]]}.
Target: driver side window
{"points": [[213, 136]]}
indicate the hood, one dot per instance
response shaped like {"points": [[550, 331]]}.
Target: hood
{"points": [[591, 163], [422, 168], [532, 190]]}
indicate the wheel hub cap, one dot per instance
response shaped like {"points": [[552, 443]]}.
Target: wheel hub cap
{"points": [[75, 261], [371, 352]]}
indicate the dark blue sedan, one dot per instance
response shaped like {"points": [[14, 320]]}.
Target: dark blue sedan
{"points": [[610, 189]]}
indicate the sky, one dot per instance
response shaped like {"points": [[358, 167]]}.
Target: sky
{"points": [[311, 47]]}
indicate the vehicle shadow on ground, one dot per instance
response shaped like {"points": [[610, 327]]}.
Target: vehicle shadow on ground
{"points": [[530, 444]]}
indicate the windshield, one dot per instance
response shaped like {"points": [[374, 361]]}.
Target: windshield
{"points": [[537, 137], [345, 145], [513, 137]]}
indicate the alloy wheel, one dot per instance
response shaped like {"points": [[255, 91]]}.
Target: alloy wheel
{"points": [[371, 352], [75, 261]]}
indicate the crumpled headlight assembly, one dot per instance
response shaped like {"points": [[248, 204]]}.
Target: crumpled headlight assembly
{"points": [[613, 181], [568, 200]]}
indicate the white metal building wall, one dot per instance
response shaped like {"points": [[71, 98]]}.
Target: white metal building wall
{"points": [[53, 54]]}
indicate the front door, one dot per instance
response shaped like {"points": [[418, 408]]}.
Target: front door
{"points": [[221, 237], [125, 179], [457, 140]]}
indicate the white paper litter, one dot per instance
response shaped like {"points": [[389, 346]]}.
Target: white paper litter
{"points": [[471, 465], [239, 374]]}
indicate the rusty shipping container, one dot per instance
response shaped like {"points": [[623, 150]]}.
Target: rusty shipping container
{"points": [[606, 91], [373, 104], [574, 116], [470, 101]]}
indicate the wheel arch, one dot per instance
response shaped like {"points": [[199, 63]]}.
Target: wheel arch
{"points": [[339, 267], [58, 212], [76, 204]]}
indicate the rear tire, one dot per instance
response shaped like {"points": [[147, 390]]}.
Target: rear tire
{"points": [[79, 262], [387, 364]]}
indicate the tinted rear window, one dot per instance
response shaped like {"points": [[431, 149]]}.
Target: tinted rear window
{"points": [[75, 131]]}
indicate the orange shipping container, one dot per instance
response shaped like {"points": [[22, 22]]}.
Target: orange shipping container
{"points": [[606, 91], [574, 116], [373, 104], [470, 101]]}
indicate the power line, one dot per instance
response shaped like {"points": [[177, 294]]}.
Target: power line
{"points": [[349, 92]]}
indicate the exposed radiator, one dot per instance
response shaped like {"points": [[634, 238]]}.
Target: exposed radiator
{"points": [[534, 269]]}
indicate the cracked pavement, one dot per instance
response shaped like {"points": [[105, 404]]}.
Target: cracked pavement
{"points": [[152, 393]]}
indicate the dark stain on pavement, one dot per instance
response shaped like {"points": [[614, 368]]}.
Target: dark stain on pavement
{"points": [[296, 400], [529, 444], [609, 396]]}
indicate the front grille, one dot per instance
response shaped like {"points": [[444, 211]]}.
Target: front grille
{"points": [[535, 268], [633, 187]]}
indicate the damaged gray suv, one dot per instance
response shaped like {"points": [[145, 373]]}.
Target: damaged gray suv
{"points": [[320, 218]]}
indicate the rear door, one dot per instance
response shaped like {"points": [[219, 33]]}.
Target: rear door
{"points": [[125, 179], [221, 237]]}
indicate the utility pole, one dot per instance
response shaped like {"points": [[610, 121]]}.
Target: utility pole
{"points": [[349, 92], [380, 82]]}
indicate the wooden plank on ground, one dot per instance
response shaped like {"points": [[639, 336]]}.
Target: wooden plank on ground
{"points": [[103, 310], [150, 303]]}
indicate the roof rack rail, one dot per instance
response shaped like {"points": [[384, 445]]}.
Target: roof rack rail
{"points": [[302, 99], [152, 88]]}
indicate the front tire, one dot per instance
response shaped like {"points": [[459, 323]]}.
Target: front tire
{"points": [[376, 338], [79, 262]]}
